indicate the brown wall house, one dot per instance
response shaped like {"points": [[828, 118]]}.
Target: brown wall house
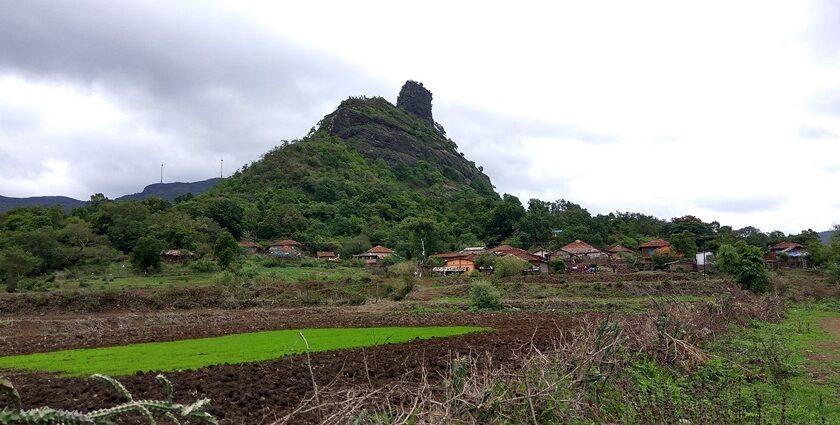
{"points": [[250, 247], [649, 248], [373, 255]]}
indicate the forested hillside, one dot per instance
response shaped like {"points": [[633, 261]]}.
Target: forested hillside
{"points": [[368, 173]]}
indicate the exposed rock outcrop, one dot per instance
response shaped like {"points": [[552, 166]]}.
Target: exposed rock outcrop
{"points": [[416, 99]]}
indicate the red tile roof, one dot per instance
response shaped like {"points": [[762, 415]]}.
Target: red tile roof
{"points": [[618, 248], [579, 247], [656, 243], [505, 250], [379, 249], [325, 254]]}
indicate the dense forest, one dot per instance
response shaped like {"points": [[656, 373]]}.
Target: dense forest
{"points": [[369, 173]]}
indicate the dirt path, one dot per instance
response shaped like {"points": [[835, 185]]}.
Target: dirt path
{"points": [[832, 326]]}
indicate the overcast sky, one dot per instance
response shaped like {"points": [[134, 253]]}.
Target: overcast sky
{"points": [[729, 111]]}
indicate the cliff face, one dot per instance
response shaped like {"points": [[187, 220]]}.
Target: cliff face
{"points": [[416, 99], [403, 136]]}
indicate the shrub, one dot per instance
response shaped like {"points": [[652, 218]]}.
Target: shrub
{"points": [[485, 260], [146, 253], [484, 296], [834, 273], [226, 250], [557, 266], [746, 264], [205, 265], [248, 272], [390, 260], [405, 268], [401, 293], [309, 262], [510, 266]]}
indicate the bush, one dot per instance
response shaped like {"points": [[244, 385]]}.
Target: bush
{"points": [[146, 253], [510, 266], [405, 268], [226, 250], [746, 264], [400, 294], [205, 265], [390, 260], [248, 272], [484, 296], [309, 262], [557, 266], [834, 273]]}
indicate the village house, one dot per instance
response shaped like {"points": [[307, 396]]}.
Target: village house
{"points": [[327, 256], [582, 252], [287, 248], [541, 252], [648, 248], [616, 251], [560, 255], [538, 264], [374, 255], [250, 247], [462, 262], [177, 255], [787, 254], [681, 265]]}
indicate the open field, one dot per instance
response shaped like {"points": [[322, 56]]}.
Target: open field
{"points": [[188, 354], [556, 316], [119, 276]]}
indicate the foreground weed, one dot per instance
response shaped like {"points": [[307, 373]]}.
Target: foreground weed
{"points": [[148, 409]]}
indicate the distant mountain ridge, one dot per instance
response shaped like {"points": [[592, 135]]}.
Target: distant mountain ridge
{"points": [[825, 237], [168, 191], [7, 203]]}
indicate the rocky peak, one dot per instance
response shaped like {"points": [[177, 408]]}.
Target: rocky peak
{"points": [[416, 99]]}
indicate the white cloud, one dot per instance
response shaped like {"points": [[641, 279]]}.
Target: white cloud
{"points": [[725, 110]]}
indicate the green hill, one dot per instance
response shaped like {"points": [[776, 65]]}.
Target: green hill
{"points": [[369, 168]]}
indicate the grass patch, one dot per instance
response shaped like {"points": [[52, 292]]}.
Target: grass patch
{"points": [[197, 353]]}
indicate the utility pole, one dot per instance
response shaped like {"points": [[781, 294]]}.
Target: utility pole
{"points": [[221, 169], [161, 173]]}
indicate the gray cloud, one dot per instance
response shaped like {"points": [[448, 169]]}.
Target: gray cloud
{"points": [[742, 205], [815, 133], [495, 141], [827, 102], [213, 85], [824, 34]]}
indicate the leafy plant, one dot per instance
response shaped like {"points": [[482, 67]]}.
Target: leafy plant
{"points": [[148, 409], [484, 296], [746, 264]]}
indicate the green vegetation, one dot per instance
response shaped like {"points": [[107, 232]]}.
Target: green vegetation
{"points": [[807, 345], [746, 264], [485, 296], [198, 353]]}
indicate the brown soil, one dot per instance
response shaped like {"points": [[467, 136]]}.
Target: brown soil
{"points": [[262, 392], [832, 326]]}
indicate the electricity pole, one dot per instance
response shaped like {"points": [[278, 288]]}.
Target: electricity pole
{"points": [[221, 169], [161, 173]]}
